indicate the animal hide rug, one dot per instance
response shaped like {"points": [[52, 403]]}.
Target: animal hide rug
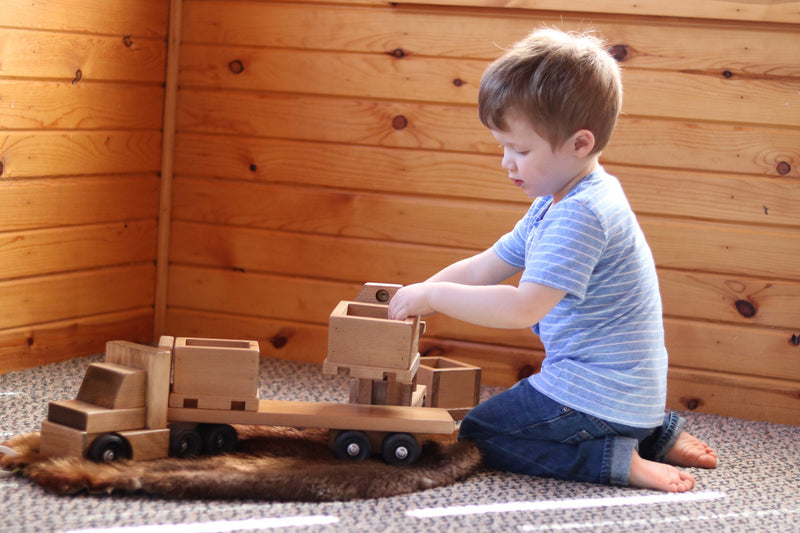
{"points": [[279, 464]]}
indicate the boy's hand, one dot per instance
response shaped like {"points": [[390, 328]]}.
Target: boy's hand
{"points": [[410, 300]]}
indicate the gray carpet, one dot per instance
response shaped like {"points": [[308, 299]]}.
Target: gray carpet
{"points": [[755, 488]]}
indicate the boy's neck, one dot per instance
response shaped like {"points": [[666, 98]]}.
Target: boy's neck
{"points": [[591, 165]]}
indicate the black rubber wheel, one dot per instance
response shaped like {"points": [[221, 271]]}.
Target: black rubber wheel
{"points": [[108, 448], [352, 446], [219, 438], [184, 442], [400, 449]]}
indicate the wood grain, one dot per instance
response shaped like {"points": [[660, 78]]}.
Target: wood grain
{"points": [[80, 58]]}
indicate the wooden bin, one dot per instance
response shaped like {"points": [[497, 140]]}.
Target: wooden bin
{"points": [[361, 336], [451, 384]]}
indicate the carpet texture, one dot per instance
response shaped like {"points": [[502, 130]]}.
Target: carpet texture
{"points": [[279, 464]]}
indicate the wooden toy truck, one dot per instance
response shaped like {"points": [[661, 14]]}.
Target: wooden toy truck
{"points": [[182, 396]]}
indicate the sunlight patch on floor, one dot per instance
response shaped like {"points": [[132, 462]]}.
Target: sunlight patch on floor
{"points": [[222, 526], [512, 507]]}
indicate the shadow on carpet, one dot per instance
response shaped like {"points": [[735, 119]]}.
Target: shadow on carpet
{"points": [[277, 464]]}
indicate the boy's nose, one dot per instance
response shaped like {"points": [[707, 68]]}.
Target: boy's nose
{"points": [[507, 163]]}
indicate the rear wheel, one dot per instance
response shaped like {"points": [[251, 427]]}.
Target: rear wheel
{"points": [[400, 449], [109, 448], [352, 446], [219, 438], [184, 442]]}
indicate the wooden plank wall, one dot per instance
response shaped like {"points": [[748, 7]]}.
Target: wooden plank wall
{"points": [[323, 144], [81, 104]]}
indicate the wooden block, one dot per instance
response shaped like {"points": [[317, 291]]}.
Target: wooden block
{"points": [[113, 386], [93, 419], [224, 403], [147, 443], [62, 441], [377, 293], [216, 367], [361, 390], [418, 397], [361, 335], [451, 384]]}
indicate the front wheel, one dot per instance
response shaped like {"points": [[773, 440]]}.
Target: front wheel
{"points": [[109, 448]]}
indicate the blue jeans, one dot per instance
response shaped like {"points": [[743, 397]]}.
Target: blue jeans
{"points": [[522, 430]]}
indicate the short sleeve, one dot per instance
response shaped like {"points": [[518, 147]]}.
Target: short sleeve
{"points": [[566, 248]]}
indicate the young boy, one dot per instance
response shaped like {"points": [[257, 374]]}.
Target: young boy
{"points": [[595, 411]]}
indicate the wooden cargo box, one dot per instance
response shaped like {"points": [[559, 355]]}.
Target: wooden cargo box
{"points": [[361, 335], [451, 384], [215, 367]]}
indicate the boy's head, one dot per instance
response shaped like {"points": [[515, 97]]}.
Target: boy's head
{"points": [[560, 82]]}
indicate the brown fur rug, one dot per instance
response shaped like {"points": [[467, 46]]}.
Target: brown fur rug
{"points": [[279, 464]]}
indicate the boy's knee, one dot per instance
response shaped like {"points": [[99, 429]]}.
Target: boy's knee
{"points": [[470, 429]]}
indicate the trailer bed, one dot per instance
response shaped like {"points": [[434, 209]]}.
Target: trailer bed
{"points": [[337, 416]]}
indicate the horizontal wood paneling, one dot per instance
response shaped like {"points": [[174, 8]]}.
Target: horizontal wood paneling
{"points": [[655, 43], [455, 81], [39, 344], [684, 145], [147, 18], [78, 58], [35, 154], [82, 100], [688, 194], [38, 252], [50, 202], [79, 294], [46, 105], [786, 12]]}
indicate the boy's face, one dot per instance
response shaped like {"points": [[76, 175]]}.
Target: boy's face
{"points": [[534, 166]]}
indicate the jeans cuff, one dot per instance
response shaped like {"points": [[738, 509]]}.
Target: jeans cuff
{"points": [[664, 438], [619, 454]]}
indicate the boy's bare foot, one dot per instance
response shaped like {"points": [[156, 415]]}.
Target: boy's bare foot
{"points": [[690, 451], [659, 476]]}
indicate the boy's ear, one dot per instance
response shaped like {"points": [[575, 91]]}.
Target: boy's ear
{"points": [[582, 143]]}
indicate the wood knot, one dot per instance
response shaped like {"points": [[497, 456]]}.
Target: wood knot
{"points": [[236, 66], [691, 403], [783, 168], [458, 82], [278, 341], [127, 40], [526, 371], [398, 53], [253, 167], [727, 74], [746, 308], [78, 77], [795, 340], [399, 122], [2, 167], [619, 52]]}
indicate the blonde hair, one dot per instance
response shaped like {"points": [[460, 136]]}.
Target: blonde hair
{"points": [[560, 82]]}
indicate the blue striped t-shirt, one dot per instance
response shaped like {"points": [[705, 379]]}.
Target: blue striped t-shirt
{"points": [[604, 341]]}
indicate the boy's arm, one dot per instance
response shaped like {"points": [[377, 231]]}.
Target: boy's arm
{"points": [[467, 291], [485, 268]]}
